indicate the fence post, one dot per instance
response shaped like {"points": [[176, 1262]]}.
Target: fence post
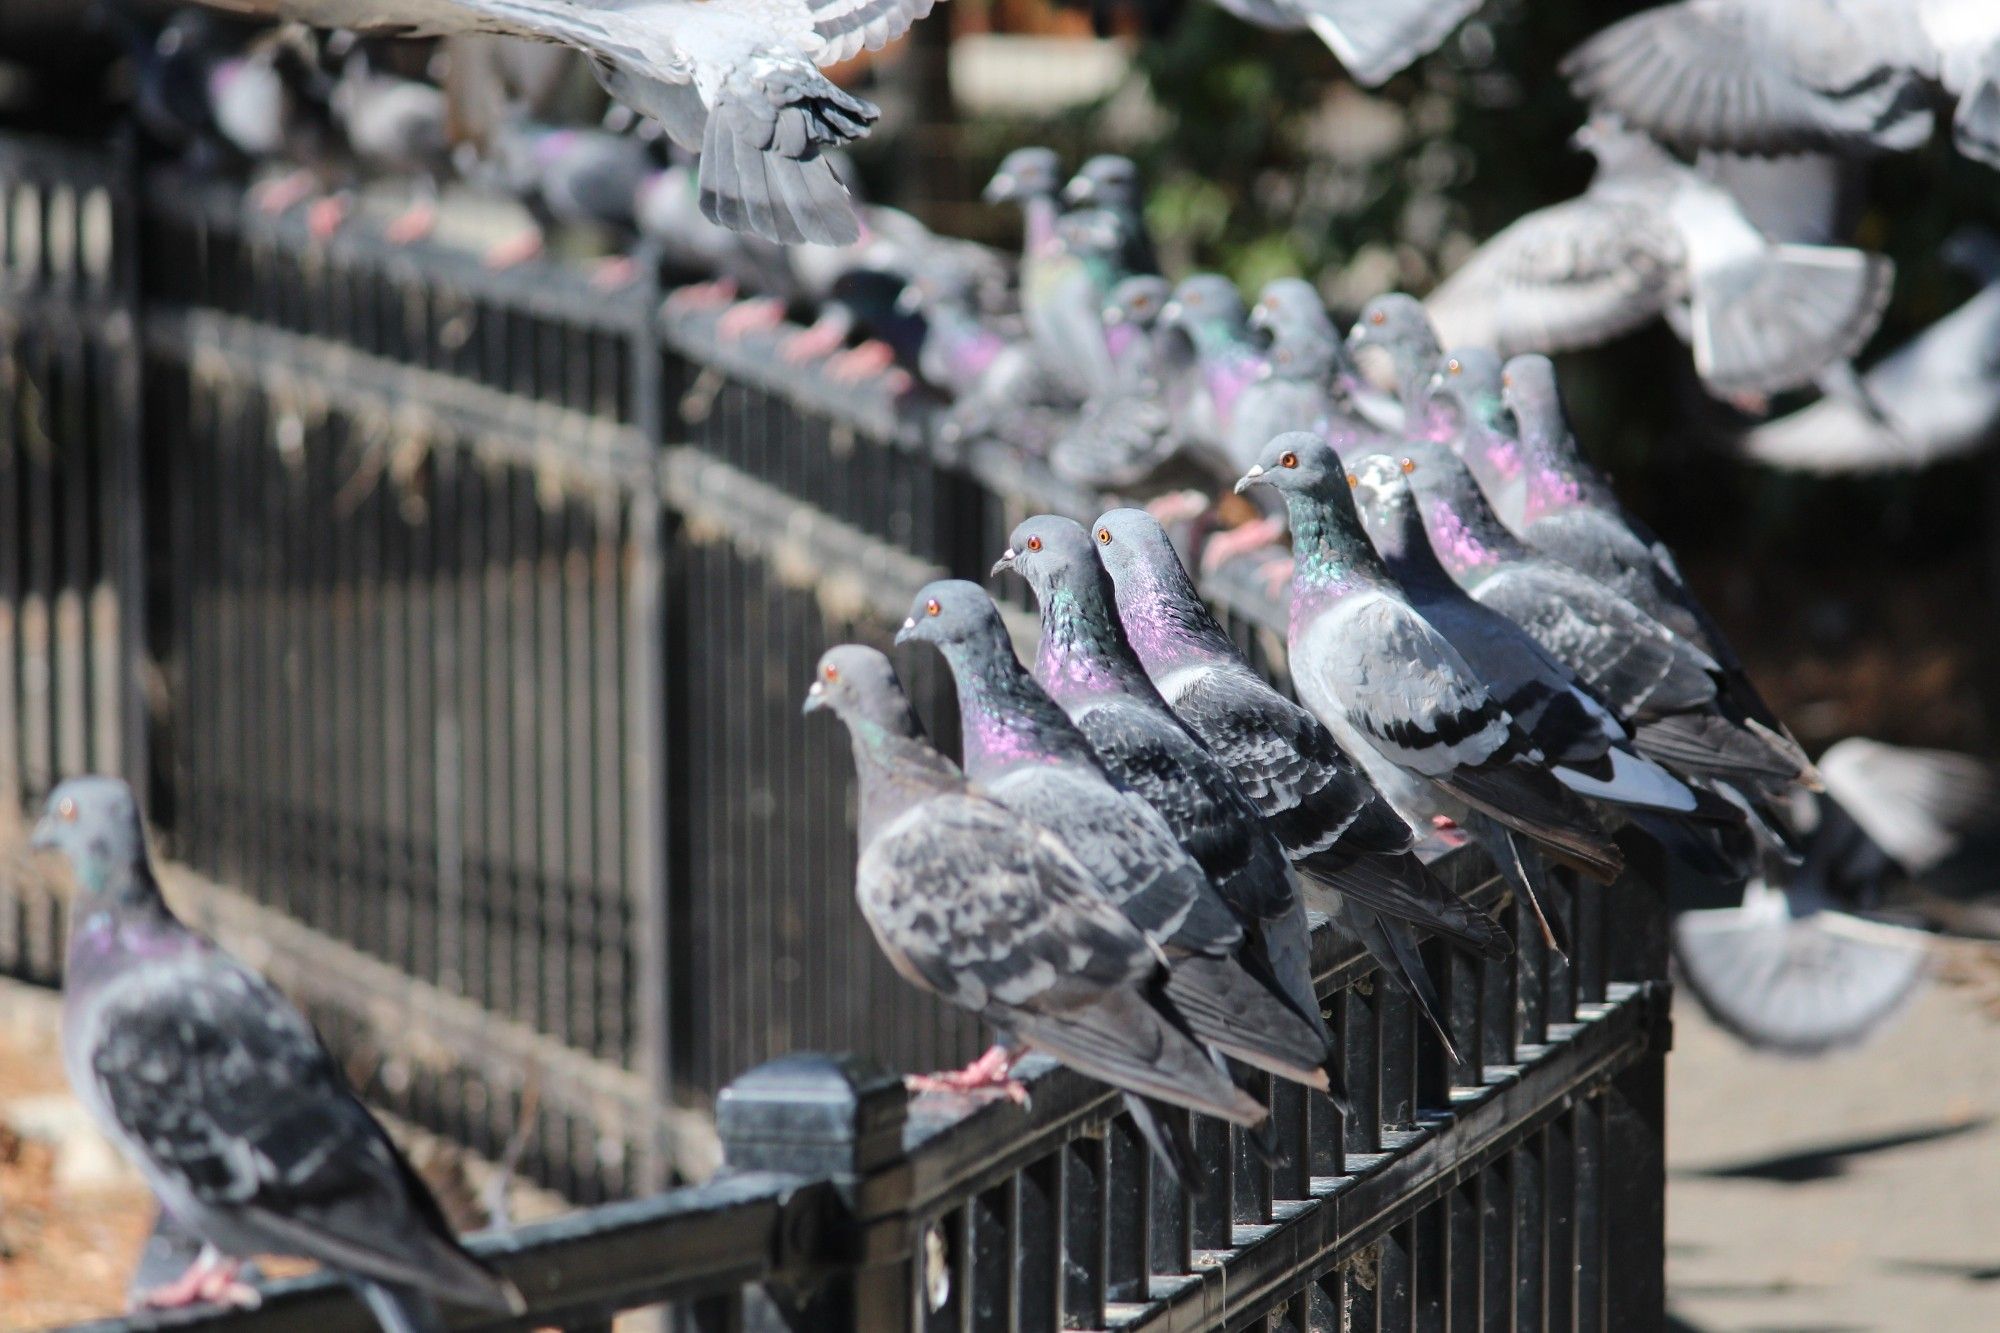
{"points": [[839, 1118]]}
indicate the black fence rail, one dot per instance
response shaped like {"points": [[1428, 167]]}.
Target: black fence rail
{"points": [[477, 611]]}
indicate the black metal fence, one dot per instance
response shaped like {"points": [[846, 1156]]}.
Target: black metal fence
{"points": [[456, 625]]}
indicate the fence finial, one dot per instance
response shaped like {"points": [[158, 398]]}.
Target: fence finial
{"points": [[812, 1114]]}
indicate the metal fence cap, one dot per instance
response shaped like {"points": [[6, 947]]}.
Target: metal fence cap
{"points": [[813, 1114]]}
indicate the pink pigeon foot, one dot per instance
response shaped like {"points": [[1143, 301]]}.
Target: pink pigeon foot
{"points": [[1240, 541], [414, 224], [822, 339], [865, 362], [209, 1280], [1446, 830], [614, 272], [1751, 403], [703, 295], [758, 315], [284, 193], [991, 1072], [515, 250], [1182, 506], [325, 216]]}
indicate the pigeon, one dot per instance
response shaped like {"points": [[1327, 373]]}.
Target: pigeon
{"points": [[1109, 184], [991, 373], [395, 127], [983, 908], [1302, 343], [1396, 328], [738, 80], [564, 175], [1125, 432], [1025, 754], [1650, 236], [1569, 513], [1750, 76], [1666, 687], [221, 1094], [1332, 822], [1208, 312], [1936, 397], [1068, 266], [1373, 39], [1399, 698]]}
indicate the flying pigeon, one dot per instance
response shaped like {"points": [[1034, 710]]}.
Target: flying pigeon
{"points": [[1069, 263], [1755, 77], [1332, 822], [1936, 397], [1650, 236], [1025, 754], [1665, 686], [1397, 695], [737, 80], [983, 908], [1109, 184], [1374, 39], [221, 1094]]}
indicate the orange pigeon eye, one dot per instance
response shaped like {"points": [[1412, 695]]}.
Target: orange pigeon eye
{"points": [[66, 810], [1409, 465], [1104, 536], [1288, 459], [1378, 317], [1352, 481], [1506, 381], [1034, 543], [832, 672], [1453, 366], [931, 607]]}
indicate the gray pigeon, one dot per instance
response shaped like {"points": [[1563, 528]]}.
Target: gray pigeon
{"points": [[1936, 397], [221, 1094], [1125, 431], [1069, 263], [1089, 669], [1650, 236], [564, 175], [1025, 754], [1374, 39], [1332, 822], [1394, 692], [1756, 77], [987, 910], [1303, 342], [736, 79], [1396, 328], [1110, 184], [395, 127], [1662, 685], [1209, 313]]}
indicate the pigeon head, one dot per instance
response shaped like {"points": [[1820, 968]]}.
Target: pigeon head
{"points": [[1330, 549], [1289, 309], [1466, 384], [1164, 619], [1396, 323], [1137, 301], [1464, 530], [94, 822], [1299, 463], [1206, 307], [1025, 173], [1107, 180], [859, 685], [1381, 485], [951, 613], [1134, 548], [1048, 551], [1619, 149]]}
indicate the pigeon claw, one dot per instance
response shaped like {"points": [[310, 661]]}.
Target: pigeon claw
{"points": [[515, 250], [209, 1280], [1240, 541], [703, 295], [414, 224], [822, 340], [865, 362], [760, 315], [990, 1073]]}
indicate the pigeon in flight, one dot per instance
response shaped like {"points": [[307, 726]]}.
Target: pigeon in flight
{"points": [[983, 908], [1754, 76], [221, 1094], [1654, 237], [1025, 754], [1936, 397], [738, 80], [1374, 39]]}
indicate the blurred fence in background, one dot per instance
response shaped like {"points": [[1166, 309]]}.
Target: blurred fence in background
{"points": [[455, 625]]}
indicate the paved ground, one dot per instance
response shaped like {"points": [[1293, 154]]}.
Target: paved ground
{"points": [[1856, 1192]]}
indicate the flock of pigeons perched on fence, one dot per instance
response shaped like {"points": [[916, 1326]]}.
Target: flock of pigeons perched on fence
{"points": [[1486, 646]]}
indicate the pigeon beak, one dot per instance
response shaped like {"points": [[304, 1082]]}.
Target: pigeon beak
{"points": [[999, 189], [1171, 312], [815, 698], [1005, 562], [1250, 478], [44, 837], [908, 631], [909, 301], [1079, 191]]}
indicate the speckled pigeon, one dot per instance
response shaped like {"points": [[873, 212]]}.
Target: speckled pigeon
{"points": [[223, 1097], [1395, 693], [1025, 753], [1757, 77], [1666, 687], [1650, 236], [1332, 822], [736, 79], [1936, 397], [991, 912]]}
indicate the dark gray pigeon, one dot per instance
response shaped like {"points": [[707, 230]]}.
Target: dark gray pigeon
{"points": [[1374, 39], [395, 127], [1754, 77], [737, 80], [1654, 237], [1332, 822], [1025, 754], [221, 1094], [1395, 693], [991, 912]]}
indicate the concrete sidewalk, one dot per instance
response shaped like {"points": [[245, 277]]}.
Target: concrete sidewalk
{"points": [[1860, 1191]]}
